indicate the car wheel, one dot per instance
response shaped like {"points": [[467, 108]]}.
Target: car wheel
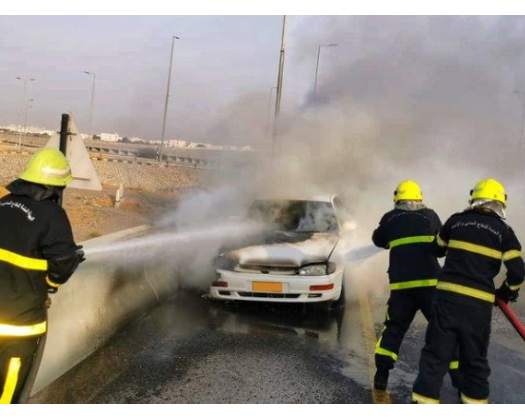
{"points": [[335, 306], [338, 305]]}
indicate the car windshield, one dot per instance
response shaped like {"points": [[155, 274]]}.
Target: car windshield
{"points": [[295, 216]]}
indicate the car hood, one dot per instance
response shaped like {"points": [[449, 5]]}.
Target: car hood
{"points": [[286, 250]]}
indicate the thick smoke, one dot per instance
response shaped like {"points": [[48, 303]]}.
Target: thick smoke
{"points": [[428, 98], [411, 97], [414, 95]]}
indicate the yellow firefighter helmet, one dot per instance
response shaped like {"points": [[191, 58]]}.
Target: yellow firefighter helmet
{"points": [[489, 189], [408, 190], [48, 167]]}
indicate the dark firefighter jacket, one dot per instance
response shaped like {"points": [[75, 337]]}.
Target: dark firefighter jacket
{"points": [[409, 234], [476, 241], [34, 234]]}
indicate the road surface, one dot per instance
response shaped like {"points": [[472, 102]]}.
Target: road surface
{"points": [[191, 350]]}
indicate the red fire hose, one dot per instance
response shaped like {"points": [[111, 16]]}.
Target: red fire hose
{"points": [[511, 317]]}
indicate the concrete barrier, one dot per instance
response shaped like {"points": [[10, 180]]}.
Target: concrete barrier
{"points": [[94, 304]]}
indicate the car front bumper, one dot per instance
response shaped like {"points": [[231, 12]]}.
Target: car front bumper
{"points": [[295, 288]]}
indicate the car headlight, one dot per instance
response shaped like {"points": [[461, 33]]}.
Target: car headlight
{"points": [[313, 270]]}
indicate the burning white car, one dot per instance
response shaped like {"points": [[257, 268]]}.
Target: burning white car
{"points": [[294, 260]]}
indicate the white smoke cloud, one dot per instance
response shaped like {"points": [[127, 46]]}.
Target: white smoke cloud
{"points": [[427, 98]]}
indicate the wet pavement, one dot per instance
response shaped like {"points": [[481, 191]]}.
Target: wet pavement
{"points": [[191, 350]]}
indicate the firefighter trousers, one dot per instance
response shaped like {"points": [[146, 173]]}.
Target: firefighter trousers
{"points": [[457, 322], [16, 359], [403, 305], [402, 308]]}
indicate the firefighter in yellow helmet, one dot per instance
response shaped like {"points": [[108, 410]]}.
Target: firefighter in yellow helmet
{"points": [[37, 255], [408, 232], [476, 242]]}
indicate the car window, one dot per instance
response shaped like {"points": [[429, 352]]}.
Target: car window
{"points": [[295, 216]]}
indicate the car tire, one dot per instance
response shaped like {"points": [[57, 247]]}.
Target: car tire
{"points": [[339, 304], [335, 306]]}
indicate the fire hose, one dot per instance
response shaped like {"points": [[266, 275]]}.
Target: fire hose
{"points": [[511, 317]]}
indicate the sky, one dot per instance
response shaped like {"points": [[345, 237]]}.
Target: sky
{"points": [[216, 60], [224, 67]]}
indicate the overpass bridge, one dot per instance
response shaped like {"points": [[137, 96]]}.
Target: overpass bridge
{"points": [[143, 154]]}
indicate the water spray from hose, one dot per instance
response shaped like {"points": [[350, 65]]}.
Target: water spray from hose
{"points": [[166, 242]]}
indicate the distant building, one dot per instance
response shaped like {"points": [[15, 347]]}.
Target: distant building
{"points": [[28, 129], [115, 137], [110, 138], [175, 143]]}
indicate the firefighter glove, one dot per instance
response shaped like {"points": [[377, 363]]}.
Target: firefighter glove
{"points": [[61, 268], [505, 294]]}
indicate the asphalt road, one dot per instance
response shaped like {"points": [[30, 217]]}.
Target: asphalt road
{"points": [[191, 350]]}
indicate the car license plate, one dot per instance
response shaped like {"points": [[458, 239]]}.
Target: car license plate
{"points": [[259, 286]]}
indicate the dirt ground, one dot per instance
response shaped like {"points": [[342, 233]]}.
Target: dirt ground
{"points": [[148, 192], [93, 214]]}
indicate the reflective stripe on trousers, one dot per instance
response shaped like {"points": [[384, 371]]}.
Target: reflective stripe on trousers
{"points": [[383, 351], [468, 291], [454, 365], [11, 380], [419, 398], [470, 400]]}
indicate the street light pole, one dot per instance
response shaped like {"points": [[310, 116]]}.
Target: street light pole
{"points": [[317, 65], [279, 87], [25, 105], [26, 115], [166, 102], [269, 112], [317, 69], [91, 101]]}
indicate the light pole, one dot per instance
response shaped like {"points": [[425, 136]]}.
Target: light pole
{"points": [[26, 115], [317, 64], [279, 87], [269, 111], [25, 105], [166, 102], [91, 101]]}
